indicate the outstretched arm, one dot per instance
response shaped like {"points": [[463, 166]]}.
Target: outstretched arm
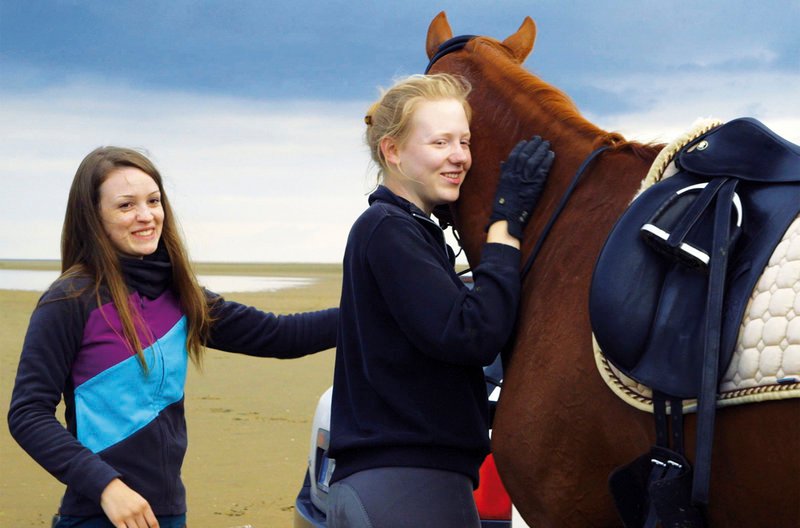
{"points": [[248, 330]]}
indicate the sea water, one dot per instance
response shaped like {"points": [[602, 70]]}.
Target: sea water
{"points": [[39, 280]]}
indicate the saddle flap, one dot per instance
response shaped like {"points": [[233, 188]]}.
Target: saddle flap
{"points": [[744, 149], [626, 285], [647, 306]]}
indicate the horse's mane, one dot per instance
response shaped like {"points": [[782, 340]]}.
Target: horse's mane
{"points": [[554, 100]]}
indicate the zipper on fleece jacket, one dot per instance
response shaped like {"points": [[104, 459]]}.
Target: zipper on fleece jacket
{"points": [[439, 232]]}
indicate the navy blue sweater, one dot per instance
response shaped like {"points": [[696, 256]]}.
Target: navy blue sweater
{"points": [[408, 384]]}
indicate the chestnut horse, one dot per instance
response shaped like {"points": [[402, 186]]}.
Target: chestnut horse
{"points": [[559, 430]]}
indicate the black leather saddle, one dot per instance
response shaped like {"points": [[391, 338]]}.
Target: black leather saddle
{"points": [[669, 292], [648, 292]]}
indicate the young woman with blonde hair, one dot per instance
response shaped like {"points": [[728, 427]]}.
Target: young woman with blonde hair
{"points": [[409, 422]]}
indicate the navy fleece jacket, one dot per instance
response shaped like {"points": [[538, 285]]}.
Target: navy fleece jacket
{"points": [[120, 421], [408, 383]]}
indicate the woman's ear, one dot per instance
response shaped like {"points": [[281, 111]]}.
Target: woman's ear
{"points": [[389, 149]]}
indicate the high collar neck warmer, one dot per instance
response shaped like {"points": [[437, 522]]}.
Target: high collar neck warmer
{"points": [[150, 275]]}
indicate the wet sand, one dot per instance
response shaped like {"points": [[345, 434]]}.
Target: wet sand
{"points": [[249, 419]]}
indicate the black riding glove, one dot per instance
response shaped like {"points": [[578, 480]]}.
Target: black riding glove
{"points": [[522, 179]]}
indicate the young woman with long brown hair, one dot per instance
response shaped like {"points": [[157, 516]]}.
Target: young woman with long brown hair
{"points": [[114, 334]]}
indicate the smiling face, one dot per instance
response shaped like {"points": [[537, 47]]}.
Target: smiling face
{"points": [[131, 211], [429, 167]]}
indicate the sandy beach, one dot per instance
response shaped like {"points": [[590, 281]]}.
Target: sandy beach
{"points": [[249, 419]]}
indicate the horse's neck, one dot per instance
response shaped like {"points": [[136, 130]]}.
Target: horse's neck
{"points": [[572, 137], [522, 101], [509, 109], [548, 112]]}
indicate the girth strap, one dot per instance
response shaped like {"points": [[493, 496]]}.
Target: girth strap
{"points": [[669, 470], [663, 427]]}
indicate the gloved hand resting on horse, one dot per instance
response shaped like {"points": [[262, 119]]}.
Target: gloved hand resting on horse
{"points": [[522, 179]]}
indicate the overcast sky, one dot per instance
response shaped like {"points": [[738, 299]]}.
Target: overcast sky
{"points": [[253, 110]]}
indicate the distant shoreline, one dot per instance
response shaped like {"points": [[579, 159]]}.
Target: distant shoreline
{"points": [[30, 264], [301, 269]]}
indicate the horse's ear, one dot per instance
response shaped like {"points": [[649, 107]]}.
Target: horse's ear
{"points": [[438, 32], [521, 42]]}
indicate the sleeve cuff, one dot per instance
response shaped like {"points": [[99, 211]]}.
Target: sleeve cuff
{"points": [[502, 254]]}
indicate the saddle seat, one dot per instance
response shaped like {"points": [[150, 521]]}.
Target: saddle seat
{"points": [[745, 149]]}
